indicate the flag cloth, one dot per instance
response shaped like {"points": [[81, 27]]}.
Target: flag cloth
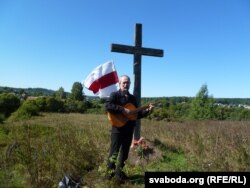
{"points": [[102, 80]]}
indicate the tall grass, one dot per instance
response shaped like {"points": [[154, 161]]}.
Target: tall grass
{"points": [[40, 151], [207, 145]]}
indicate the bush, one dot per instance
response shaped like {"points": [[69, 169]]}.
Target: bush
{"points": [[8, 103], [76, 106], [41, 103], [26, 110], [243, 114], [2, 117], [54, 105]]}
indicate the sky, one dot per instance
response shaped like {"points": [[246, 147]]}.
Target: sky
{"points": [[54, 43]]}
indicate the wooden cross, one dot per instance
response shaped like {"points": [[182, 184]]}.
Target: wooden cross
{"points": [[137, 50]]}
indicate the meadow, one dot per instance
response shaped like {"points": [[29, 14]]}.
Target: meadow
{"points": [[38, 152]]}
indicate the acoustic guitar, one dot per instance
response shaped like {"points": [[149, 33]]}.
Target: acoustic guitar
{"points": [[119, 120]]}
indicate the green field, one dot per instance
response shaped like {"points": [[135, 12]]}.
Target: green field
{"points": [[40, 151]]}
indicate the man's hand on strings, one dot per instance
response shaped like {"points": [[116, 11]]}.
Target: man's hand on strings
{"points": [[150, 107], [127, 111]]}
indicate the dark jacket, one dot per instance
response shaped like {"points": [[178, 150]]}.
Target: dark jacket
{"points": [[115, 103]]}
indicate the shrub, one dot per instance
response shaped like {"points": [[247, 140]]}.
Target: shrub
{"points": [[54, 105], [8, 104], [76, 106], [41, 103], [26, 110], [2, 117]]}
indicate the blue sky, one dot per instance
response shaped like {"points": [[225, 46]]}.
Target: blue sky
{"points": [[54, 43]]}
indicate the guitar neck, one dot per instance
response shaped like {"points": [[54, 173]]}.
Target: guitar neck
{"points": [[140, 109]]}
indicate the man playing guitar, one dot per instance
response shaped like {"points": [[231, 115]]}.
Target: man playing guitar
{"points": [[123, 112]]}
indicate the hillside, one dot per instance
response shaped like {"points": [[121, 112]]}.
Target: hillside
{"points": [[28, 91]]}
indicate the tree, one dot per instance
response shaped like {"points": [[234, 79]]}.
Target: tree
{"points": [[60, 94], [202, 106], [77, 92]]}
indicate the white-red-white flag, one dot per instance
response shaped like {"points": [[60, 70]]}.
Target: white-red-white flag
{"points": [[102, 80]]}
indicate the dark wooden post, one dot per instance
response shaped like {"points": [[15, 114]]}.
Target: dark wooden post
{"points": [[137, 50]]}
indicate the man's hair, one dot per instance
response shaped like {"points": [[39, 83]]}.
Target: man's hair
{"points": [[124, 76]]}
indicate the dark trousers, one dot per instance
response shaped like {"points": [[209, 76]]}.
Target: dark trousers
{"points": [[120, 145]]}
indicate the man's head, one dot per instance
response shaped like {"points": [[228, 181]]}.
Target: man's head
{"points": [[124, 83]]}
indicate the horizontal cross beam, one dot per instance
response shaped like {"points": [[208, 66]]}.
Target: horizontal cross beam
{"points": [[136, 50]]}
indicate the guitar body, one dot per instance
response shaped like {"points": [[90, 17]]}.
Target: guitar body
{"points": [[119, 120]]}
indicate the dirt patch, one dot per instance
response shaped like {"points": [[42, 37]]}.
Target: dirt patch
{"points": [[143, 153]]}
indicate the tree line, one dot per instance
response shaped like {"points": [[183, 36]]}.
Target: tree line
{"points": [[19, 105], [201, 107]]}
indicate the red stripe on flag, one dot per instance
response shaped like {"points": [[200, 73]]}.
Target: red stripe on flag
{"points": [[104, 81]]}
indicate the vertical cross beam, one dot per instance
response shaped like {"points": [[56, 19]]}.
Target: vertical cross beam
{"points": [[137, 76], [137, 63], [137, 50]]}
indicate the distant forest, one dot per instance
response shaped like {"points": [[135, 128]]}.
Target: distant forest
{"points": [[174, 99], [28, 91]]}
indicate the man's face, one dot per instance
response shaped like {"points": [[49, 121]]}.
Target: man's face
{"points": [[124, 83]]}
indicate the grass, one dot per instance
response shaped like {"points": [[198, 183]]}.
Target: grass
{"points": [[38, 152]]}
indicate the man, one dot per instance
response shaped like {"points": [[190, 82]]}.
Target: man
{"points": [[121, 136]]}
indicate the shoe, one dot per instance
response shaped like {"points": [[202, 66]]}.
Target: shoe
{"points": [[121, 176]]}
